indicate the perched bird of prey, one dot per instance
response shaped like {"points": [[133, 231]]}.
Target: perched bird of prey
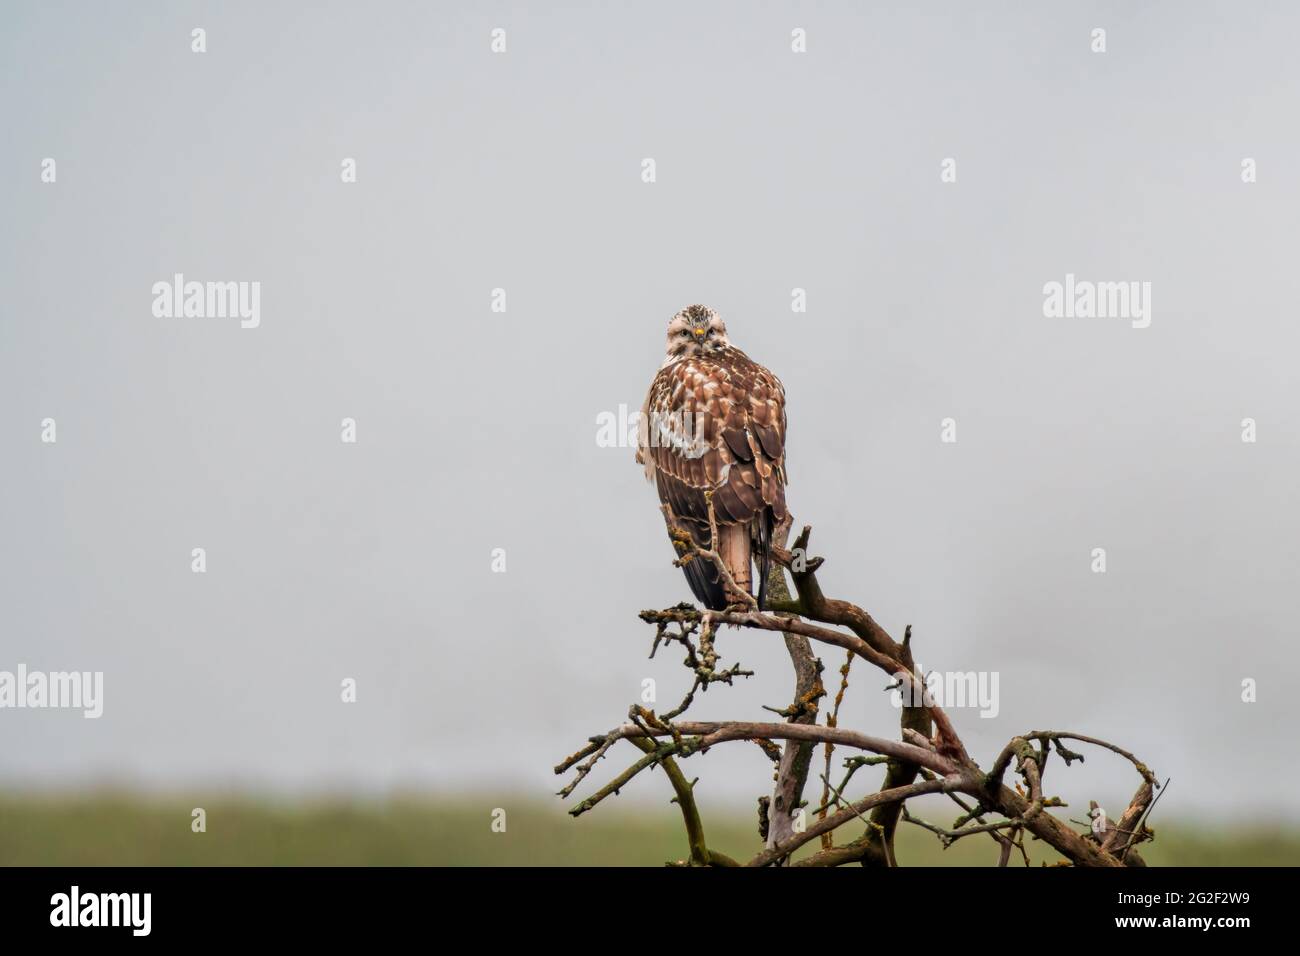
{"points": [[713, 429]]}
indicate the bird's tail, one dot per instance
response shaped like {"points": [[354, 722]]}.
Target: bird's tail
{"points": [[706, 583], [763, 553], [734, 548], [702, 575]]}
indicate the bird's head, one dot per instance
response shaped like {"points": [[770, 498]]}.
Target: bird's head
{"points": [[695, 330]]}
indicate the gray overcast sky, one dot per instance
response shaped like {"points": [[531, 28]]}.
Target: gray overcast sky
{"points": [[476, 430]]}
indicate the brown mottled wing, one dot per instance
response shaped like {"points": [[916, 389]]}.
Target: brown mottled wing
{"points": [[717, 422]]}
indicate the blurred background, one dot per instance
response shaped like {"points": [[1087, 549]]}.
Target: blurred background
{"points": [[477, 431]]}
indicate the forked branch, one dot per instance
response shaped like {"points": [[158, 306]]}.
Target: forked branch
{"points": [[928, 747]]}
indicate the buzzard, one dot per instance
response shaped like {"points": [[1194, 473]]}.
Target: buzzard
{"points": [[712, 429]]}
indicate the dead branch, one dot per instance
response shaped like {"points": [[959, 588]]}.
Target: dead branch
{"points": [[929, 746], [792, 769]]}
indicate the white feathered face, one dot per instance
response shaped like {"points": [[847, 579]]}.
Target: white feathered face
{"points": [[695, 330]]}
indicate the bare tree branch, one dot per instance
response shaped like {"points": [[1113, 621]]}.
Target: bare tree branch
{"points": [[941, 760], [792, 771]]}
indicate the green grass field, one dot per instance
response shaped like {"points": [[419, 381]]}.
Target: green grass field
{"points": [[124, 829]]}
